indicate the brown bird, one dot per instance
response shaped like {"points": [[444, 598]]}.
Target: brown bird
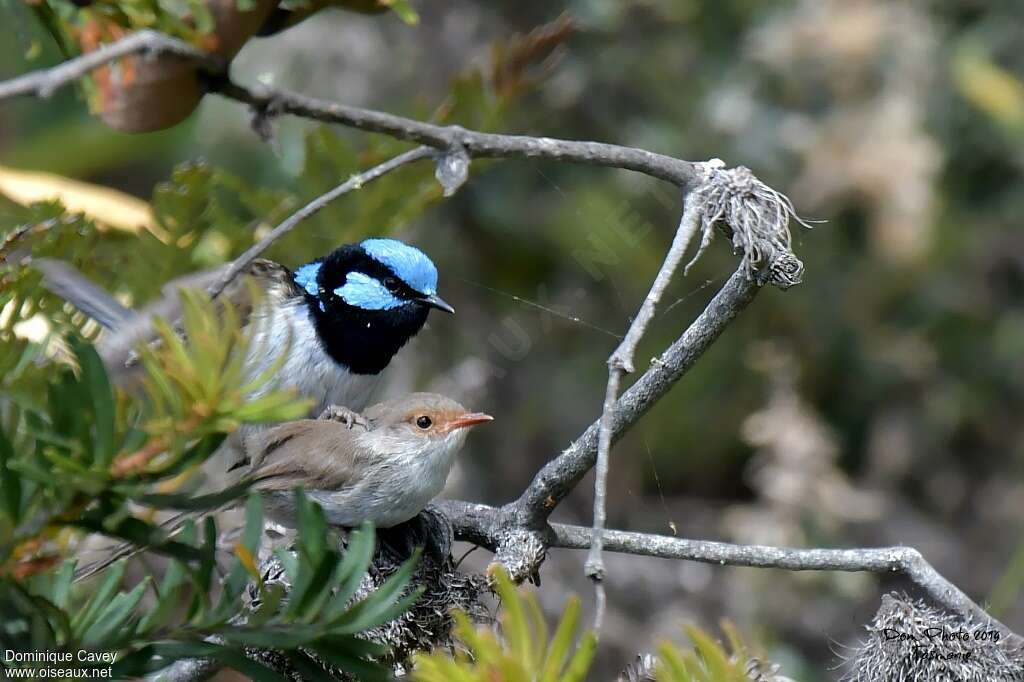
{"points": [[383, 466]]}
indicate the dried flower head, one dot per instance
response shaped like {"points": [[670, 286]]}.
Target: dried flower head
{"points": [[757, 216], [910, 641]]}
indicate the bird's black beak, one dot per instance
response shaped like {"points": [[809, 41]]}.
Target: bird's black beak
{"points": [[437, 302]]}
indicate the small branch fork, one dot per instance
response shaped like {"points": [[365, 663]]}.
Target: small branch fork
{"points": [[755, 216], [620, 362], [44, 82]]}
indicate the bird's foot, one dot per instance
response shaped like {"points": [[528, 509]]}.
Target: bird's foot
{"points": [[344, 415]]}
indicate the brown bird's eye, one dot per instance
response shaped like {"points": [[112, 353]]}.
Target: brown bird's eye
{"points": [[390, 283], [423, 422]]}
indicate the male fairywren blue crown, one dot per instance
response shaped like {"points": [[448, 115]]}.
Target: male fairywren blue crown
{"points": [[368, 299]]}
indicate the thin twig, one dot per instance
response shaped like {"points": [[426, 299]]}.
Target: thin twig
{"points": [[353, 183], [44, 82], [559, 476], [620, 362]]}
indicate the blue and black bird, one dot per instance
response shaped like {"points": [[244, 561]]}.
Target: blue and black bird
{"points": [[340, 319]]}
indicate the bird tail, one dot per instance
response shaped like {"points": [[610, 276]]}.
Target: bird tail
{"points": [[67, 282]]}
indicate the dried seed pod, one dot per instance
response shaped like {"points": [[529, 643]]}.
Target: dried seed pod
{"points": [[143, 93], [140, 94]]}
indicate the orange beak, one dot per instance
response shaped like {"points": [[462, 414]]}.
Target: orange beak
{"points": [[468, 419]]}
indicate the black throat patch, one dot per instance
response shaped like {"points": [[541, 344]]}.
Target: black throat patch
{"points": [[364, 341]]}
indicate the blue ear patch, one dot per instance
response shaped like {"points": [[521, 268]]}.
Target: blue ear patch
{"points": [[410, 264], [305, 277], [362, 291]]}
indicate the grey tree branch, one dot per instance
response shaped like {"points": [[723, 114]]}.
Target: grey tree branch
{"points": [[904, 560], [620, 362], [353, 183], [481, 525], [44, 82], [476, 144]]}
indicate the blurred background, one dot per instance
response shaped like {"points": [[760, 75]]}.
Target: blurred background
{"points": [[878, 403]]}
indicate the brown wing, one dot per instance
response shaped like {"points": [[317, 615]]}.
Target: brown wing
{"points": [[118, 349], [316, 454]]}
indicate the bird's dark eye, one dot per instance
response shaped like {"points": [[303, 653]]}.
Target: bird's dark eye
{"points": [[390, 283], [424, 422]]}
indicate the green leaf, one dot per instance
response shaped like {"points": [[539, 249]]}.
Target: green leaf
{"points": [[236, 659], [354, 565], [168, 603], [287, 637], [85, 618], [290, 562], [169, 598], [115, 616], [176, 8], [314, 589], [68, 425], [10, 483], [232, 657], [271, 597], [240, 574], [404, 11], [380, 606], [539, 628], [341, 656], [561, 642], [581, 660], [47, 623], [62, 584], [711, 653], [671, 665], [141, 534], [137, 663], [381, 613], [190, 502], [199, 452], [312, 526], [208, 560], [352, 645], [307, 669], [101, 402], [514, 624]]}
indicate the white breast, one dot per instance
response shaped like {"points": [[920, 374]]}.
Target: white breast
{"points": [[400, 484], [306, 367]]}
